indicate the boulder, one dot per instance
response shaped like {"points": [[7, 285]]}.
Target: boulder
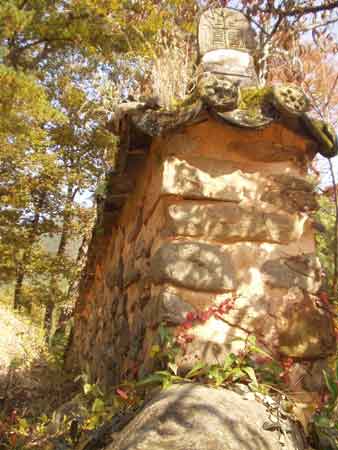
{"points": [[198, 417]]}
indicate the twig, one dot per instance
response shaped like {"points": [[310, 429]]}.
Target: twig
{"points": [[318, 25], [300, 11]]}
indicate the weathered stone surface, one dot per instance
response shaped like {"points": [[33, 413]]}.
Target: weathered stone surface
{"points": [[291, 201], [245, 118], [291, 194], [301, 271], [294, 183], [250, 314], [194, 265], [306, 330], [218, 91], [208, 179], [229, 222], [208, 210], [152, 123], [296, 324], [236, 65], [273, 150], [311, 373], [212, 341], [196, 417], [224, 28], [166, 307]]}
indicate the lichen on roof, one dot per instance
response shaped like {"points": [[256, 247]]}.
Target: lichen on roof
{"points": [[248, 107]]}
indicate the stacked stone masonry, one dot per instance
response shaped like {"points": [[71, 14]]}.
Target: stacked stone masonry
{"points": [[216, 212]]}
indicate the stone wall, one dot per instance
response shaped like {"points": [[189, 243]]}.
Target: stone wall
{"points": [[218, 214]]}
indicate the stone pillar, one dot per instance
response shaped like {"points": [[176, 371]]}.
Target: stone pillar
{"points": [[206, 234], [216, 241]]}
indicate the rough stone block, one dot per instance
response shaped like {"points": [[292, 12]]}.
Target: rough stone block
{"points": [[290, 193], [211, 342], [166, 307], [194, 265], [229, 222], [208, 180], [298, 271], [305, 330]]}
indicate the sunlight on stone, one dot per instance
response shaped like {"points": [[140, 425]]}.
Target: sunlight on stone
{"points": [[219, 332], [257, 286]]}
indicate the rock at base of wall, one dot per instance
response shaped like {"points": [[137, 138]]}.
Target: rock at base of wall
{"points": [[197, 417]]}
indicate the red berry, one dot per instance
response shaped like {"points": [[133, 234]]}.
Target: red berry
{"points": [[324, 298], [186, 325], [190, 316], [122, 394]]}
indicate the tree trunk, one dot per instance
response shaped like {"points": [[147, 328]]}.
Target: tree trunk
{"points": [[21, 265], [47, 323], [73, 288], [20, 275], [50, 306]]}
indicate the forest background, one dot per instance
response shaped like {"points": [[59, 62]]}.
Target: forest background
{"points": [[65, 65]]}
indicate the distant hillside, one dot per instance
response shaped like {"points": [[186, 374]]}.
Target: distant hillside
{"points": [[51, 243]]}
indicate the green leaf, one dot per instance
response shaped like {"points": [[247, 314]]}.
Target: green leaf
{"points": [[151, 379], [87, 388], [217, 375], [98, 405], [167, 383], [44, 418], [198, 369], [92, 422], [23, 427], [164, 333], [322, 421], [229, 361], [252, 340], [260, 351], [155, 349], [251, 373], [163, 377], [163, 373], [237, 374], [331, 385]]}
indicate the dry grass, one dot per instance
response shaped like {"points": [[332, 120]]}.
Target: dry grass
{"points": [[32, 383], [21, 341], [172, 73], [31, 378]]}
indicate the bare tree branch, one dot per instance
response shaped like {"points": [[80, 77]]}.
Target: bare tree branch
{"points": [[300, 11], [318, 25], [334, 85]]}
